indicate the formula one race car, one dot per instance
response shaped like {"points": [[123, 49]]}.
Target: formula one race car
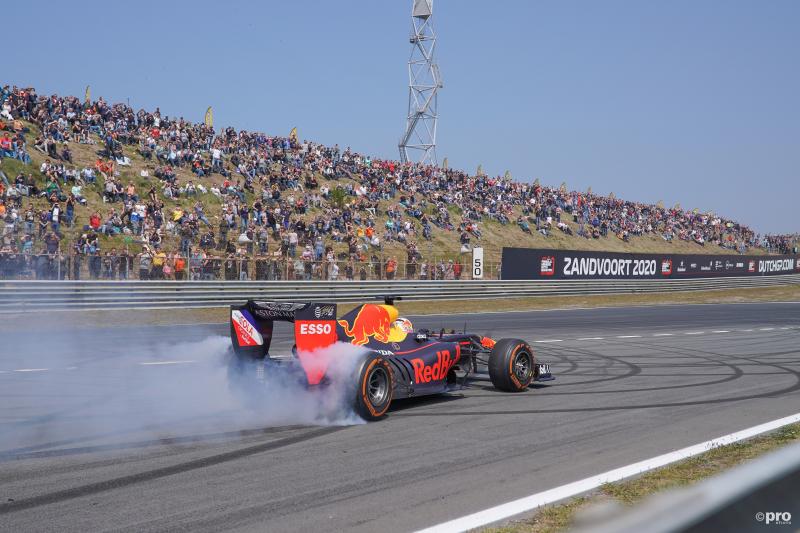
{"points": [[395, 361]]}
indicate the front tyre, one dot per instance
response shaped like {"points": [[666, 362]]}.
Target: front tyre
{"points": [[374, 387], [511, 365]]}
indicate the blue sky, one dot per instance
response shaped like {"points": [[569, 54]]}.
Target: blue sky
{"points": [[683, 101]]}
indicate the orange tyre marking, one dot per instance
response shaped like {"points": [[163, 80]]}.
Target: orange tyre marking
{"points": [[511, 373], [364, 396]]}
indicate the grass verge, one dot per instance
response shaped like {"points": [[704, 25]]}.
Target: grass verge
{"points": [[73, 319], [560, 517]]}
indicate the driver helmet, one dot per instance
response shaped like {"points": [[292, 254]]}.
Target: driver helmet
{"points": [[404, 325]]}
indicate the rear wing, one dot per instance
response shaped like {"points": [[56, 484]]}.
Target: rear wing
{"points": [[251, 325]]}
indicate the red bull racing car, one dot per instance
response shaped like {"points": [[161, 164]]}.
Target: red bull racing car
{"points": [[396, 361]]}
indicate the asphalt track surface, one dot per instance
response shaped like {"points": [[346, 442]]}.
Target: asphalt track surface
{"points": [[133, 429]]}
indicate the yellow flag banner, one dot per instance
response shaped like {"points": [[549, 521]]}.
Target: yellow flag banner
{"points": [[293, 134], [480, 170], [209, 119], [87, 96], [444, 163]]}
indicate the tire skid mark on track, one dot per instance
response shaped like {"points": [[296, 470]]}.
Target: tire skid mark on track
{"points": [[353, 490], [736, 373], [750, 358], [573, 366], [575, 362], [41, 419], [41, 451], [111, 484], [609, 362]]}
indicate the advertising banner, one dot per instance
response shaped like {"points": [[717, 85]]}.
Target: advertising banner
{"points": [[543, 264]]}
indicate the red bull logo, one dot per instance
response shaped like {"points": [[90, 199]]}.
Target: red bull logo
{"points": [[371, 321], [437, 371]]}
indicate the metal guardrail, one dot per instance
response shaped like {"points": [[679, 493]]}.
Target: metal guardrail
{"points": [[758, 496], [16, 296]]}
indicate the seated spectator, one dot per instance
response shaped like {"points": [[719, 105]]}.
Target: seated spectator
{"points": [[564, 227], [88, 175], [94, 221], [6, 147]]}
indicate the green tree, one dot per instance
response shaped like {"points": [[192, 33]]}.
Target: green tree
{"points": [[338, 197]]}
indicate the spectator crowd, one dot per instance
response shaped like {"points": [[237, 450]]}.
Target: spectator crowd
{"points": [[288, 209]]}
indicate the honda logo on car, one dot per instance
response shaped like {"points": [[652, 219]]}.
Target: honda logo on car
{"points": [[437, 371], [548, 265], [315, 328], [246, 333], [776, 265]]}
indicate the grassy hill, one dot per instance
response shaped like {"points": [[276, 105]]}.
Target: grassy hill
{"points": [[443, 244]]}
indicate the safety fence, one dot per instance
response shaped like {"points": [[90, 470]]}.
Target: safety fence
{"points": [[16, 296], [192, 267]]}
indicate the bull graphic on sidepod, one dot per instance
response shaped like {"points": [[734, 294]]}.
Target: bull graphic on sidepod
{"points": [[370, 321]]}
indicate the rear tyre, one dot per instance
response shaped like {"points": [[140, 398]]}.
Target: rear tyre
{"points": [[374, 387], [511, 365], [249, 378], [243, 380]]}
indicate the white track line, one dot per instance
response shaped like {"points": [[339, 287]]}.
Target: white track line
{"points": [[560, 308], [528, 503], [154, 363], [666, 334], [31, 370], [550, 340]]}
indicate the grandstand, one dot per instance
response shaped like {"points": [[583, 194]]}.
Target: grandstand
{"points": [[103, 181]]}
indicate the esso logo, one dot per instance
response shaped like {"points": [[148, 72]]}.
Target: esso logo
{"points": [[315, 329]]}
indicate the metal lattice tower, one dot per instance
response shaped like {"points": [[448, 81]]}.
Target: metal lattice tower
{"points": [[424, 83]]}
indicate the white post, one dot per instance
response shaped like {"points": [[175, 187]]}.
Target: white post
{"points": [[477, 263]]}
